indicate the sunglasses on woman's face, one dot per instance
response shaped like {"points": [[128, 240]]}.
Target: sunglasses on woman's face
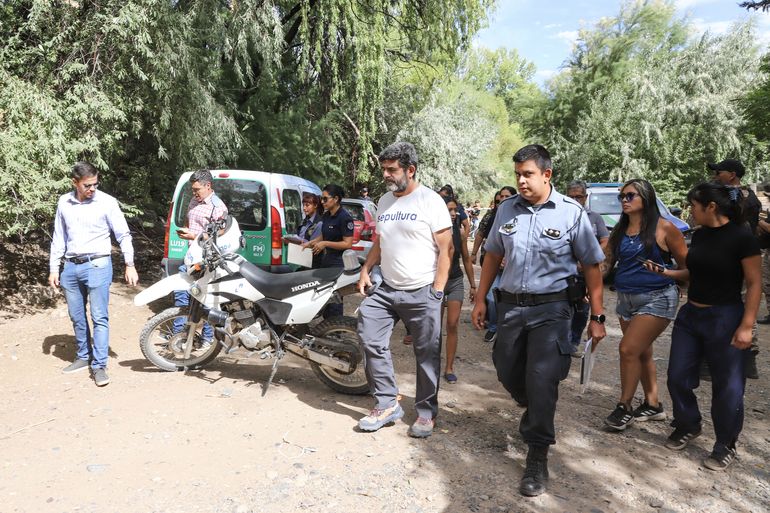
{"points": [[627, 196], [324, 199]]}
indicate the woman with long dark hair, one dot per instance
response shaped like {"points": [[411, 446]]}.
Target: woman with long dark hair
{"points": [[454, 291], [646, 302], [714, 324], [336, 236]]}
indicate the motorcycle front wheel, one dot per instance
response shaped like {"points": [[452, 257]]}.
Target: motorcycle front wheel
{"points": [[342, 329], [163, 344]]}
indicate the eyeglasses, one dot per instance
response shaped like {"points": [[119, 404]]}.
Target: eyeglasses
{"points": [[627, 196], [324, 199], [88, 186], [578, 196]]}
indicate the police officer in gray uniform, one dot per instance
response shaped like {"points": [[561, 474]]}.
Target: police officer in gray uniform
{"points": [[542, 235]]}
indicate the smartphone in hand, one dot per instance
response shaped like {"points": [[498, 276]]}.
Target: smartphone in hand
{"points": [[650, 265]]}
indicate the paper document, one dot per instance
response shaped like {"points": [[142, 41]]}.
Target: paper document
{"points": [[587, 365], [298, 255]]}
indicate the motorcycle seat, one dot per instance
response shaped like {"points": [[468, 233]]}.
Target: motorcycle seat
{"points": [[281, 286]]}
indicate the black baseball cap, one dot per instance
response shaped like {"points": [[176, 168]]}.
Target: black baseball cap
{"points": [[731, 165], [364, 189]]}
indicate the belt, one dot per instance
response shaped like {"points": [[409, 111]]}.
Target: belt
{"points": [[84, 258], [524, 299]]}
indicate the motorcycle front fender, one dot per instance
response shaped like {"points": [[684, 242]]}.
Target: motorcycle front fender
{"points": [[180, 281]]}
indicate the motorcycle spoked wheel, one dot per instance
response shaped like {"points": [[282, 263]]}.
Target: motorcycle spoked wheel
{"points": [[165, 349], [343, 329]]}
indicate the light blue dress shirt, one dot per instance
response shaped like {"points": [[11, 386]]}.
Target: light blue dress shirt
{"points": [[83, 228], [542, 245]]}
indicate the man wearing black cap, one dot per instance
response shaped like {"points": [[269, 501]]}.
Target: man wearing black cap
{"points": [[364, 194], [729, 172]]}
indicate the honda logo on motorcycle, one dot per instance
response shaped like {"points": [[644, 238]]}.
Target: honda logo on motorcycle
{"points": [[305, 286]]}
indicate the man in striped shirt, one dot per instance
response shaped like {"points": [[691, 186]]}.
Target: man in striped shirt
{"points": [[84, 219], [205, 206]]}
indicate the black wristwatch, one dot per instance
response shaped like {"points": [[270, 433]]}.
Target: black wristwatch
{"points": [[438, 294], [599, 318]]}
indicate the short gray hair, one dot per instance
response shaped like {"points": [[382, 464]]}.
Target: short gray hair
{"points": [[403, 151], [202, 176], [574, 184]]}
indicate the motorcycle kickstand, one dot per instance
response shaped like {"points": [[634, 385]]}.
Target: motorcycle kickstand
{"points": [[278, 357]]}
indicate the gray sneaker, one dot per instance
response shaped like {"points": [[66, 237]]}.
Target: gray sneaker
{"points": [[422, 428], [77, 365], [378, 418], [101, 378]]}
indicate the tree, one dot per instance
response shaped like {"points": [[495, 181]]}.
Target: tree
{"points": [[762, 4], [675, 109]]}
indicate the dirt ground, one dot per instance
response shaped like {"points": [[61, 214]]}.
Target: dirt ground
{"points": [[208, 441]]}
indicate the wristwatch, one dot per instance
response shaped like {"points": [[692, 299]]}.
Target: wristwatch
{"points": [[438, 294], [599, 318]]}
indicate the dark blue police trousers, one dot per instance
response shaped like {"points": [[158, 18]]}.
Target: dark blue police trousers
{"points": [[532, 355], [706, 332]]}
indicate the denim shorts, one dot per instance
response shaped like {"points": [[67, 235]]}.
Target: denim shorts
{"points": [[659, 303]]}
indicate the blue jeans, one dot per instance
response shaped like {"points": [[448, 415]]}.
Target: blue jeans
{"points": [[81, 283], [706, 333], [492, 305], [182, 298]]}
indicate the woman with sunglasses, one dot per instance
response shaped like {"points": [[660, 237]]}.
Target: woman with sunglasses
{"points": [[647, 302], [454, 291], [336, 236], [714, 324]]}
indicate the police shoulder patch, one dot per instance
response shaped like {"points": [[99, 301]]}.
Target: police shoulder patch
{"points": [[350, 225]]}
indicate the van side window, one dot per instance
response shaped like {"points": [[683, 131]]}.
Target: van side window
{"points": [[246, 200], [292, 210]]}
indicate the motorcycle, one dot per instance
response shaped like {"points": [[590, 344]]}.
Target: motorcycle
{"points": [[264, 314]]}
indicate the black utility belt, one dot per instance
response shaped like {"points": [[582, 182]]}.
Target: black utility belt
{"points": [[524, 299], [85, 258]]}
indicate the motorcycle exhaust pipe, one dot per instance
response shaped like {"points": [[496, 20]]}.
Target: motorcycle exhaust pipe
{"points": [[217, 318]]}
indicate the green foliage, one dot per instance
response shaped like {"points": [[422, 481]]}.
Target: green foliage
{"points": [[147, 89], [639, 101]]}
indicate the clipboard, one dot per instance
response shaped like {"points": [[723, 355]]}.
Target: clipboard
{"points": [[298, 255]]}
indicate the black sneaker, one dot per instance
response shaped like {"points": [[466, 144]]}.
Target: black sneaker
{"points": [[646, 412], [490, 336], [720, 460], [679, 439], [620, 418]]}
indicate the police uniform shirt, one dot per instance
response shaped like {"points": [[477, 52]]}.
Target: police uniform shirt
{"points": [[333, 229], [542, 244], [598, 225]]}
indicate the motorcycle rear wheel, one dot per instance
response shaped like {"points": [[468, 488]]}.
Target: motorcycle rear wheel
{"points": [[164, 348], [345, 330]]}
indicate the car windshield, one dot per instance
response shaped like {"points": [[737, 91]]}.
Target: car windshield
{"points": [[605, 203], [355, 210]]}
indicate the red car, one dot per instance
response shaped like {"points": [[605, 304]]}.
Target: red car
{"points": [[364, 214]]}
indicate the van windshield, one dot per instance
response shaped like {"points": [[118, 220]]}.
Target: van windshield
{"points": [[246, 201]]}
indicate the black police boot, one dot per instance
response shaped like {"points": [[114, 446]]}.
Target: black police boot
{"points": [[536, 474]]}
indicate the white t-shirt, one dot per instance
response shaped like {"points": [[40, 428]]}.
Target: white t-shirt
{"points": [[405, 228]]}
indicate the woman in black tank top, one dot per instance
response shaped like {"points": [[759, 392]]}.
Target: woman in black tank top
{"points": [[454, 292]]}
